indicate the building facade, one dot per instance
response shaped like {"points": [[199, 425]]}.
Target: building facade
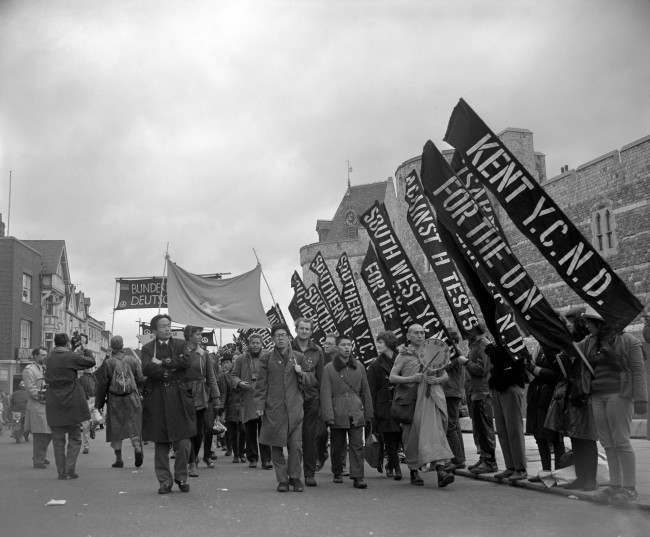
{"points": [[608, 198], [37, 300]]}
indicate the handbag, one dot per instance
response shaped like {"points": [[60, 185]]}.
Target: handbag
{"points": [[372, 451]]}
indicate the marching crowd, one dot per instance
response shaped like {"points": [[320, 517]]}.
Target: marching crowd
{"points": [[282, 407]]}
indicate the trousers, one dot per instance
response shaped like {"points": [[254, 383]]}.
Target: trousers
{"points": [[509, 418], [197, 439], [311, 429], [66, 451], [161, 460], [354, 436], [252, 431], [40, 443], [483, 428], [454, 434], [291, 466], [585, 459], [236, 438]]}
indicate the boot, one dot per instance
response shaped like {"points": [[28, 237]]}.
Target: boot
{"points": [[119, 463]]}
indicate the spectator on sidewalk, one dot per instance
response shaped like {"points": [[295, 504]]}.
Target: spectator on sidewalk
{"points": [[480, 403], [65, 403], [347, 406], [618, 390], [384, 426]]}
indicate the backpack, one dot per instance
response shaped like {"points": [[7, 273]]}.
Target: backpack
{"points": [[122, 380]]}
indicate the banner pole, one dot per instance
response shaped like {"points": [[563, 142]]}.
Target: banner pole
{"points": [[114, 306], [275, 304], [162, 281]]}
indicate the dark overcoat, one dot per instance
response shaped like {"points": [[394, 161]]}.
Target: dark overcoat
{"points": [[382, 394], [168, 412], [65, 399], [539, 396], [278, 394]]}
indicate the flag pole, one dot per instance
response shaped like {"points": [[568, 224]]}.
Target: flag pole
{"points": [[114, 306], [275, 304], [162, 281]]}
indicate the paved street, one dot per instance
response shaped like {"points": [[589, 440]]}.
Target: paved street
{"points": [[232, 500]]}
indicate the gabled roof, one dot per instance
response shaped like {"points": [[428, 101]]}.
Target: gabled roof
{"points": [[53, 253], [357, 198]]}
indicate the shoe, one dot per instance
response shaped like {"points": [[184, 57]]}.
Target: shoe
{"points": [[337, 479], [252, 464], [449, 467], [184, 486], [360, 484], [283, 487], [267, 466], [298, 486], [242, 459], [389, 473], [535, 479], [398, 474], [139, 458], [310, 481], [165, 489], [416, 479], [460, 466], [209, 463], [191, 470], [62, 477], [85, 451], [45, 461], [445, 478], [590, 486], [576, 484], [228, 452], [504, 475], [518, 475], [72, 475], [604, 494], [624, 495], [235, 460], [40, 465], [477, 463], [118, 464], [484, 468]]}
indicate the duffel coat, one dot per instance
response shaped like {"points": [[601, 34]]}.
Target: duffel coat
{"points": [[278, 394], [382, 394], [65, 399], [35, 418], [345, 395], [168, 412]]}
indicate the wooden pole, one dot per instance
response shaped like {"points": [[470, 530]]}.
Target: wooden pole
{"points": [[114, 306], [162, 281], [275, 304]]}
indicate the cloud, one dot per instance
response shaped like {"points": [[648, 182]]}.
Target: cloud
{"points": [[222, 127]]}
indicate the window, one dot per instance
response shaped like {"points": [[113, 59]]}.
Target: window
{"points": [[27, 288], [603, 227], [49, 340], [352, 232], [25, 334], [49, 305]]}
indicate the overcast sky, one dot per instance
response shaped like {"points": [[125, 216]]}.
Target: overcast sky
{"points": [[224, 126]]}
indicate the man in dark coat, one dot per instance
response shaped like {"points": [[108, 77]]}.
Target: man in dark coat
{"points": [[346, 404], [65, 403], [278, 399], [168, 415], [312, 425]]}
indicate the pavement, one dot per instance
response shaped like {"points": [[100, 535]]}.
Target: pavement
{"points": [[233, 500], [641, 449]]}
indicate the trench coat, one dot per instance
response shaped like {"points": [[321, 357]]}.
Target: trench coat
{"points": [[65, 399], [278, 394], [168, 412], [124, 412], [35, 418], [345, 395], [246, 368]]}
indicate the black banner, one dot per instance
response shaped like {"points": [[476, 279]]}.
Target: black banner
{"points": [[331, 295], [398, 266], [361, 332], [461, 215], [379, 288], [276, 317], [301, 304], [540, 219], [423, 224], [141, 293]]}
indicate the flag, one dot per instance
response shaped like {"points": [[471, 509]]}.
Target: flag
{"points": [[361, 332], [461, 215], [379, 289], [331, 295], [423, 224], [139, 293], [540, 219], [300, 306], [399, 269], [217, 303]]}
